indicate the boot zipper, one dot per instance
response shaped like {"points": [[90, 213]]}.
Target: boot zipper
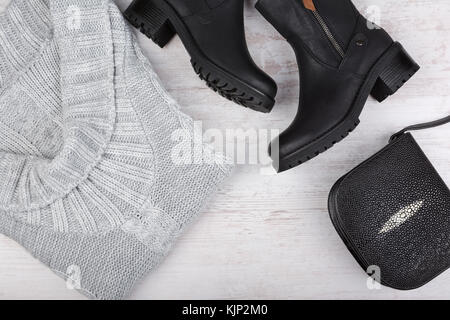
{"points": [[309, 4]]}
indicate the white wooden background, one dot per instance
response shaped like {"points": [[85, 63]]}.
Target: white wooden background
{"points": [[270, 237]]}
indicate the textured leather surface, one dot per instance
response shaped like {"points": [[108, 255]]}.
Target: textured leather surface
{"points": [[329, 83], [187, 8], [217, 27], [393, 211], [344, 23]]}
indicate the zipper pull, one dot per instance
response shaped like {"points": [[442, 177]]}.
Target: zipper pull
{"points": [[309, 4]]}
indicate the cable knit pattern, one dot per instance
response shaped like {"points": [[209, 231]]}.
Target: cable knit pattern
{"points": [[85, 150]]}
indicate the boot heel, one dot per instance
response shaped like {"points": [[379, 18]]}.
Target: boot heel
{"points": [[400, 68], [151, 20]]}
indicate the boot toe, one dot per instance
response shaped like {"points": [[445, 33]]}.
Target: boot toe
{"points": [[287, 144], [264, 84]]}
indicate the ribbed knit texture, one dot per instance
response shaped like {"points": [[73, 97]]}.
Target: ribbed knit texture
{"points": [[85, 146]]}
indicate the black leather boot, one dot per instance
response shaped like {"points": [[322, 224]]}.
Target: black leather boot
{"points": [[213, 33], [342, 59]]}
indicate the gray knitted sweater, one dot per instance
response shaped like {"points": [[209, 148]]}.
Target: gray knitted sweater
{"points": [[89, 184]]}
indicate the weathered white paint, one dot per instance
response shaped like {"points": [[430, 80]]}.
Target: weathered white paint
{"points": [[267, 237]]}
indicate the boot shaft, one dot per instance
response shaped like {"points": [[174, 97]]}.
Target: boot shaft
{"points": [[326, 28], [192, 7], [340, 17], [305, 18]]}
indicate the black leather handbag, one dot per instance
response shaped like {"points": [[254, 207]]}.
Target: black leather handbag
{"points": [[393, 213]]}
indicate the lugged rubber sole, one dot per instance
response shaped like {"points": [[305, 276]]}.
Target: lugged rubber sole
{"points": [[315, 149], [394, 68], [160, 22], [227, 88]]}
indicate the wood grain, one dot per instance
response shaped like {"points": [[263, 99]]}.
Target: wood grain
{"points": [[269, 236]]}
